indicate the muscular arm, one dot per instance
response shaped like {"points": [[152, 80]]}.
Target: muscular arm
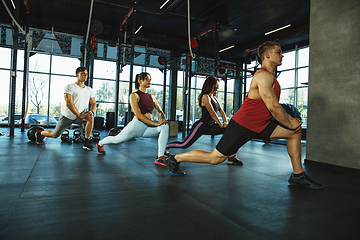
{"points": [[134, 102], [70, 104], [206, 102], [267, 93], [222, 113], [158, 108]]}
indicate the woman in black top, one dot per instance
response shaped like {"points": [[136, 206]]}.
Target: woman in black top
{"points": [[209, 123]]}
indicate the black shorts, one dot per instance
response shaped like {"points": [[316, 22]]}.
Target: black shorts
{"points": [[237, 135]]}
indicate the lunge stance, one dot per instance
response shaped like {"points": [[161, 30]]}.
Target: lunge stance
{"points": [[253, 120], [77, 98], [209, 123], [142, 104]]}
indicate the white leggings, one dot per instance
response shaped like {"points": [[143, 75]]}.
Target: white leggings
{"points": [[136, 128]]}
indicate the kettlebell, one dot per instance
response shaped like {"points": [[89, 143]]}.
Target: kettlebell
{"points": [[77, 136], [96, 136], [65, 137]]}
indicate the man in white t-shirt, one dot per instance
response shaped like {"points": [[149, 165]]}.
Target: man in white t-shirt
{"points": [[77, 97]]}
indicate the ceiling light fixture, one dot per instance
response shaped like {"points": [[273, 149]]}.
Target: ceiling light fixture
{"points": [[138, 29], [13, 4], [164, 4], [278, 29], [227, 48]]}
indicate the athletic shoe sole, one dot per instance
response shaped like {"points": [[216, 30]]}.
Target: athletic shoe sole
{"points": [[89, 149], [300, 185], [159, 163]]}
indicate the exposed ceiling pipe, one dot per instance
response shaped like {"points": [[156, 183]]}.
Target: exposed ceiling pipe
{"points": [[158, 15]]}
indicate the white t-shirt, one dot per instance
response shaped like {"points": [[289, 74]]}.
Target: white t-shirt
{"points": [[81, 97]]}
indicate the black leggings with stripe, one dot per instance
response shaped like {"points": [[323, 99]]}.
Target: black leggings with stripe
{"points": [[198, 129]]}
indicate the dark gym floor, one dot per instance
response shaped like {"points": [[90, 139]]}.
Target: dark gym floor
{"points": [[60, 191]]}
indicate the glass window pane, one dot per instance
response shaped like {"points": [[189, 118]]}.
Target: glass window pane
{"points": [[139, 58], [104, 90], [75, 46], [64, 65], [303, 57], [104, 69], [288, 61], [111, 52], [179, 104], [157, 77], [103, 108], [4, 94], [200, 81], [303, 76], [5, 59], [100, 50], [230, 85], [302, 104], [57, 101], [286, 79], [287, 96], [180, 79], [229, 105], [39, 63], [9, 37], [38, 92], [20, 60]]}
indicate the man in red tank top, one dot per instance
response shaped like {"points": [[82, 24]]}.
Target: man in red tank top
{"points": [[253, 120]]}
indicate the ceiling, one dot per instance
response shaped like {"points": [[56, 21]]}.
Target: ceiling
{"points": [[242, 23]]}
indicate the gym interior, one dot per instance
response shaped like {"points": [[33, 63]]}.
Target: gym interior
{"points": [[61, 191]]}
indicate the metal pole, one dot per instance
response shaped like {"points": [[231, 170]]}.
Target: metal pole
{"points": [[216, 55], [132, 59], [188, 96], [225, 93], [117, 82], [245, 73], [13, 78], [26, 71], [185, 100], [164, 87]]}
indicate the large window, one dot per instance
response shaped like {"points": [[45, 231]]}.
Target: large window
{"points": [[54, 58]]}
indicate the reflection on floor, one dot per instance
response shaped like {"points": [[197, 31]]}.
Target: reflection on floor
{"points": [[60, 191]]}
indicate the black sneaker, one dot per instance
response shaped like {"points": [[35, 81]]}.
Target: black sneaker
{"points": [[304, 181], [88, 146], [173, 167], [234, 161], [39, 138]]}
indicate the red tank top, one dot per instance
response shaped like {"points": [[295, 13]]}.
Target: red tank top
{"points": [[146, 103], [253, 113]]}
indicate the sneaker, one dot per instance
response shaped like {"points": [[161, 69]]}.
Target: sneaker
{"points": [[173, 167], [39, 138], [88, 146], [160, 161], [100, 149], [234, 161], [304, 181]]}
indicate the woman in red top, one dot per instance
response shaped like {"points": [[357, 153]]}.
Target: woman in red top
{"points": [[142, 124]]}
